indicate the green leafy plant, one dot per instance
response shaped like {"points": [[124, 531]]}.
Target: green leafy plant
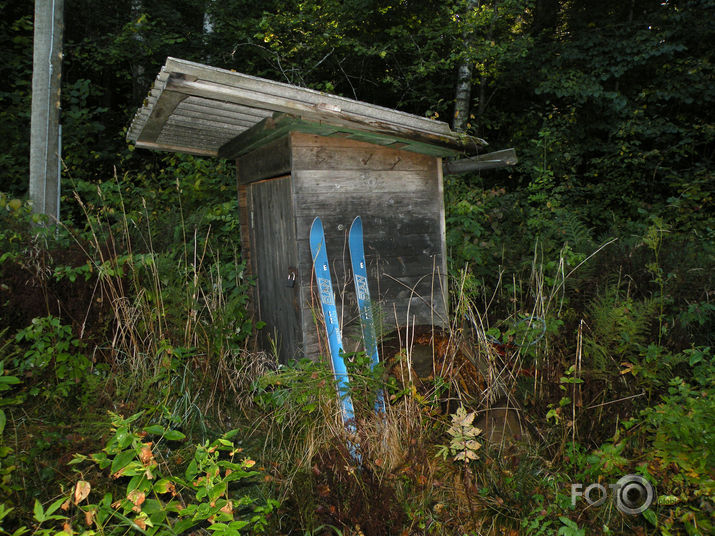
{"points": [[153, 501], [570, 528], [53, 349]]}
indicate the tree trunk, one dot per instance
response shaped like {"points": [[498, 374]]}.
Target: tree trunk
{"points": [[462, 97], [208, 30], [463, 94], [139, 82], [45, 118]]}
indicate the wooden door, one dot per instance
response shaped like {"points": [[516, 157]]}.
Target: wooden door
{"points": [[274, 257]]}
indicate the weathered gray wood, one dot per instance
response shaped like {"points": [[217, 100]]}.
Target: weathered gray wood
{"points": [[375, 130], [217, 128], [273, 248], [214, 106], [345, 182], [397, 224], [268, 161], [497, 159], [207, 89], [319, 152], [176, 148], [244, 212], [304, 96], [403, 217], [373, 203], [263, 132], [160, 113]]}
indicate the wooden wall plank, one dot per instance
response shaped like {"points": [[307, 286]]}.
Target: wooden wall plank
{"points": [[312, 152], [344, 182], [271, 160]]}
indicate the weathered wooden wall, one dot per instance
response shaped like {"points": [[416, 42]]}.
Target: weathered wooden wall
{"points": [[398, 194]]}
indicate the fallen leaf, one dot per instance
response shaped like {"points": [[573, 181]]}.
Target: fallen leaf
{"points": [[67, 528], [81, 491], [628, 367], [140, 523], [89, 516], [65, 505]]}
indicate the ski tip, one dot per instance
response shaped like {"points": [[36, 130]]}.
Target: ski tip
{"points": [[317, 224], [357, 224]]}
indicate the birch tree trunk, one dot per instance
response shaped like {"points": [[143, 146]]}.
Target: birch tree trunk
{"points": [[208, 30], [45, 114], [139, 82], [463, 94]]}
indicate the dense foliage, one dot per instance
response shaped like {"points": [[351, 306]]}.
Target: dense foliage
{"points": [[131, 397]]}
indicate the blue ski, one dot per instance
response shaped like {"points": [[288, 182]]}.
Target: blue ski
{"points": [[362, 290], [332, 326]]}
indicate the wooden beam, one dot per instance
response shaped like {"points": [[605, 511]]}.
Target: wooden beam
{"points": [[160, 113], [175, 149], [497, 159]]}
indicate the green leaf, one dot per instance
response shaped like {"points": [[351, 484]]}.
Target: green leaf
{"points": [[124, 438], [174, 435], [38, 512], [54, 506], [3, 421], [121, 460], [650, 517], [162, 486], [218, 490], [155, 429]]}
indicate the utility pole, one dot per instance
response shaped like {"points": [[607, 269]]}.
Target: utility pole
{"points": [[45, 143]]}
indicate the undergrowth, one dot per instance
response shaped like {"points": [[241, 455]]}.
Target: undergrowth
{"points": [[133, 399]]}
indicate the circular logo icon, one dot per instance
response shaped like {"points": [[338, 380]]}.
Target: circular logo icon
{"points": [[634, 494]]}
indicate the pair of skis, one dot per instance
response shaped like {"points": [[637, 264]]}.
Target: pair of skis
{"points": [[330, 312]]}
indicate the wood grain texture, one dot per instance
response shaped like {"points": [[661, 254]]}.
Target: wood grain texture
{"points": [[271, 160], [311, 152], [403, 217], [402, 211], [273, 248]]}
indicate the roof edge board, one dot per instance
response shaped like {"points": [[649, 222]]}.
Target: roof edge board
{"points": [[175, 149]]}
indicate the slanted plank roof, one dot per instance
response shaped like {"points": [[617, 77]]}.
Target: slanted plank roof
{"points": [[202, 110]]}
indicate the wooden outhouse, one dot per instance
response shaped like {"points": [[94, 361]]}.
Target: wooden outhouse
{"points": [[300, 154]]}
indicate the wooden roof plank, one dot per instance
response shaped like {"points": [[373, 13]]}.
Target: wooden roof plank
{"points": [[222, 109], [306, 96]]}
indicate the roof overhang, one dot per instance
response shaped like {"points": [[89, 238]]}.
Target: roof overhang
{"points": [[202, 110]]}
